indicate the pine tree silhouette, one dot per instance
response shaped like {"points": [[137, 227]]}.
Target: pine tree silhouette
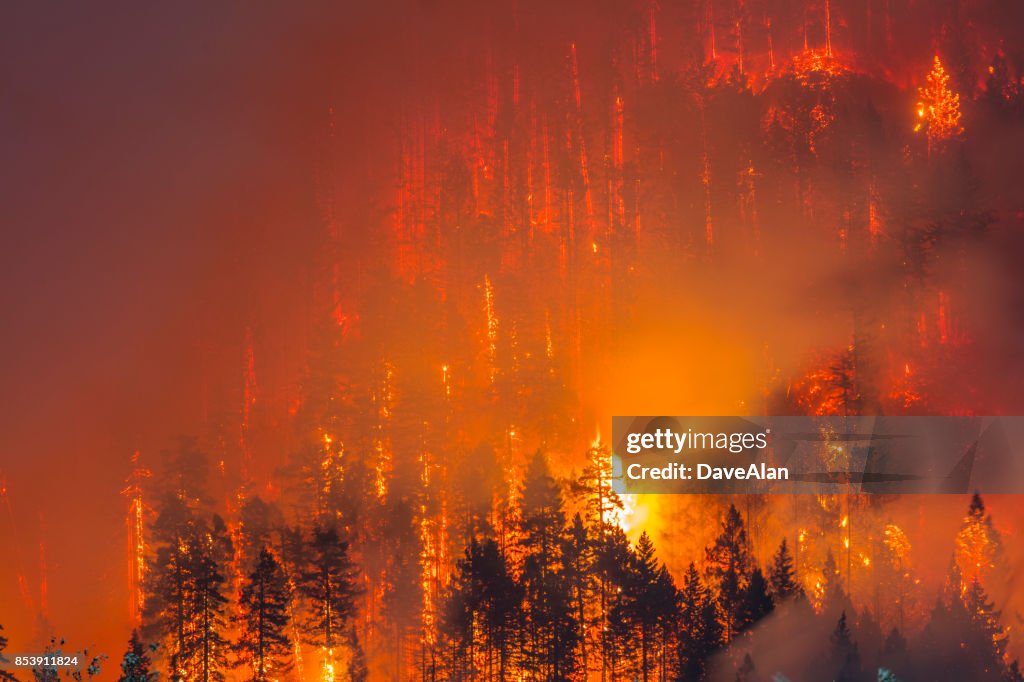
{"points": [[4, 675], [135, 666], [328, 582], [729, 566], [782, 575], [263, 615], [757, 602], [845, 659]]}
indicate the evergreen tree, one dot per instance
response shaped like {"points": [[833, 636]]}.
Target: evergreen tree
{"points": [[729, 567], [403, 596], [700, 631], [611, 562], [170, 602], [208, 645], [978, 543], [647, 607], [757, 602], [578, 558], [1002, 89], [328, 582], [608, 549], [834, 599], [135, 666], [264, 607], [358, 670], [782, 575], [595, 487], [551, 630], [894, 654], [939, 648], [483, 610], [984, 639], [4, 675], [844, 657], [938, 110]]}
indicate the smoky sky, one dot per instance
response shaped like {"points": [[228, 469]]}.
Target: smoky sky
{"points": [[158, 196]]}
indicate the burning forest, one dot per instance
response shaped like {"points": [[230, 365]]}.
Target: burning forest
{"points": [[512, 221]]}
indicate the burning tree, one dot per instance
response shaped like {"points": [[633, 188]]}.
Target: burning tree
{"points": [[264, 606], [329, 585], [208, 647], [938, 110], [978, 543]]}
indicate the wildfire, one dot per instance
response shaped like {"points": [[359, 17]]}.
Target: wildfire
{"points": [[136, 538], [938, 110], [328, 672], [492, 329]]}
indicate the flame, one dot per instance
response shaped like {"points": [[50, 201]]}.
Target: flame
{"points": [[328, 673], [492, 328], [136, 538]]}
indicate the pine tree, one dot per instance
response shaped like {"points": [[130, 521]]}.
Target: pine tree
{"points": [[757, 602], [611, 561], [358, 670], [578, 558], [552, 632], [894, 655], [940, 646], [938, 110], [647, 606], [328, 582], [608, 546], [845, 660], [700, 631], [984, 639], [170, 601], [135, 666], [403, 596], [782, 575], [595, 487], [209, 647], [729, 567], [1002, 88], [834, 598], [482, 611], [264, 607], [4, 675], [978, 543]]}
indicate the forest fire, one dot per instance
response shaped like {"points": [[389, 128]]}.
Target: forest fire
{"points": [[546, 216]]}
